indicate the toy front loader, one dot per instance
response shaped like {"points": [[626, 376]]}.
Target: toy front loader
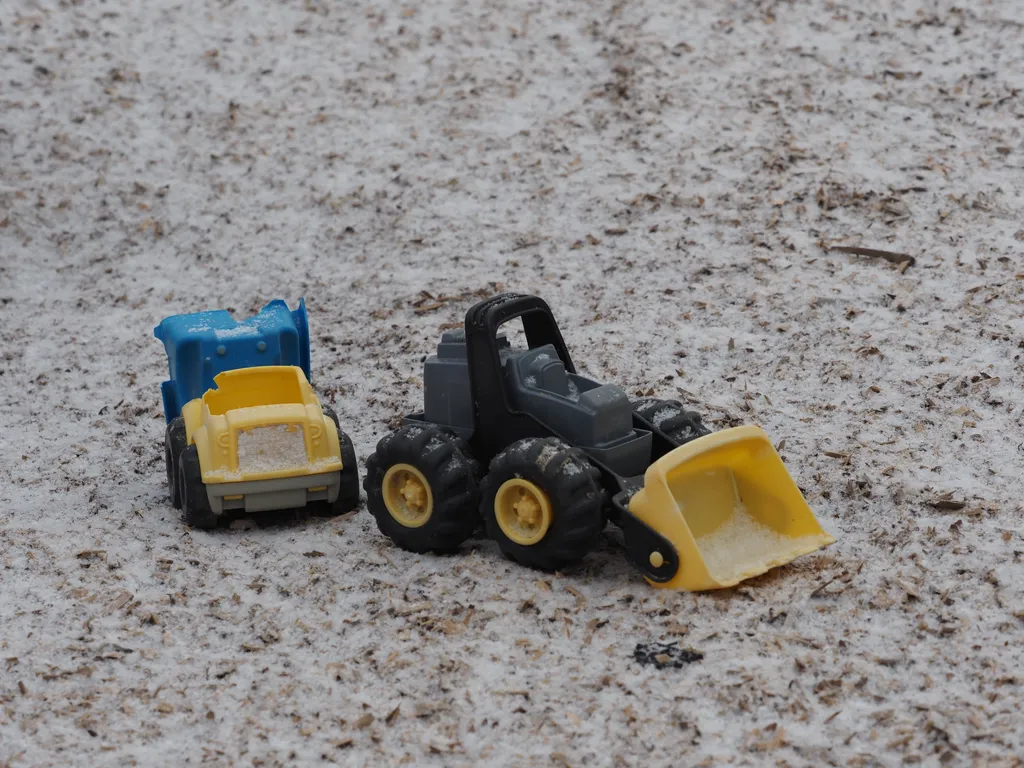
{"points": [[546, 456]]}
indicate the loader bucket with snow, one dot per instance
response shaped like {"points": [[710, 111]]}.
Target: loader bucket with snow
{"points": [[729, 507]]}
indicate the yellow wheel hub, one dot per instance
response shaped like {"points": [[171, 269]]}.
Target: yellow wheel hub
{"points": [[523, 511], [407, 495]]}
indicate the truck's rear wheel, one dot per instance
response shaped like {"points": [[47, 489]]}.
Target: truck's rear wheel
{"points": [[348, 496], [678, 424], [194, 501], [542, 502], [421, 488], [174, 444]]}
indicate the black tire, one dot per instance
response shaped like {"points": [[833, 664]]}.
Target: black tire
{"points": [[348, 496], [575, 493], [443, 460], [679, 425], [174, 444], [194, 501]]}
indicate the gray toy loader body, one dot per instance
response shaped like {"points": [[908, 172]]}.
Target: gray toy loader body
{"points": [[596, 417]]}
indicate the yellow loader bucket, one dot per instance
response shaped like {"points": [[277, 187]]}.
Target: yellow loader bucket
{"points": [[730, 508]]}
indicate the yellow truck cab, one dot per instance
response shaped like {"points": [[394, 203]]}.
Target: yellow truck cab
{"points": [[260, 440]]}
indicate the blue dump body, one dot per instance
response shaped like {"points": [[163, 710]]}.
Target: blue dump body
{"points": [[203, 344]]}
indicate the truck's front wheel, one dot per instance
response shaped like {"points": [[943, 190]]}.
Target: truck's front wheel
{"points": [[194, 501], [174, 444]]}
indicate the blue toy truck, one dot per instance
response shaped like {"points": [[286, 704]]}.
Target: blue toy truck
{"points": [[203, 344]]}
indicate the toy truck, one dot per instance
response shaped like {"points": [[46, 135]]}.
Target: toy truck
{"points": [[546, 457], [252, 438]]}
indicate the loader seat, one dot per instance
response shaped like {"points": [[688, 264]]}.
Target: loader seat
{"points": [[581, 411], [543, 369]]}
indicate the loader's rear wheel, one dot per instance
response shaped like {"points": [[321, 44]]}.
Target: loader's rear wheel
{"points": [[421, 488], [194, 501], [543, 502], [348, 496], [681, 426], [174, 444]]}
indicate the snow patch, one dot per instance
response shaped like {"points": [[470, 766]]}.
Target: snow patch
{"points": [[237, 332], [742, 545], [664, 414], [547, 453], [574, 391], [572, 468], [273, 448]]}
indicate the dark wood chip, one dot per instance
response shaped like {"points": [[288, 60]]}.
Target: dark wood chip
{"points": [[891, 256]]}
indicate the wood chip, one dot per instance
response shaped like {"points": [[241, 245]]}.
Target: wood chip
{"points": [[947, 504], [428, 308], [90, 554], [821, 587], [891, 256], [581, 601], [117, 602], [411, 608], [529, 244]]}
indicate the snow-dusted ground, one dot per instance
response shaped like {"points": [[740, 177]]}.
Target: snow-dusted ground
{"points": [[667, 175]]}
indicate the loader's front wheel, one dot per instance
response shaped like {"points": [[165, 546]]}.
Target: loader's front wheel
{"points": [[678, 424], [174, 444], [543, 502], [421, 488], [523, 511], [348, 496], [194, 501]]}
